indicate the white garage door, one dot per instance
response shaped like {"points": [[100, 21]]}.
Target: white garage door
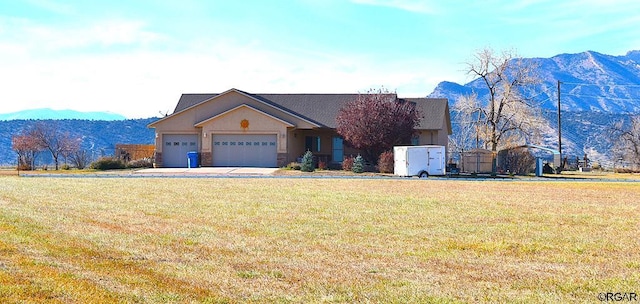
{"points": [[245, 150], [175, 149]]}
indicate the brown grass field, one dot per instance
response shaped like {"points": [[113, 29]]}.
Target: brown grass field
{"points": [[97, 240]]}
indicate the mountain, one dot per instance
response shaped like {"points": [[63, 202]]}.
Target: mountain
{"points": [[596, 90], [60, 114], [99, 137]]}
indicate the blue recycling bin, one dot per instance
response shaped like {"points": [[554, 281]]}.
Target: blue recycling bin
{"points": [[539, 166], [192, 159]]}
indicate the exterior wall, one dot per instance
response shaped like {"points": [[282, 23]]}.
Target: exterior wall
{"points": [[230, 123], [184, 123], [206, 159], [158, 160], [296, 145], [290, 130]]}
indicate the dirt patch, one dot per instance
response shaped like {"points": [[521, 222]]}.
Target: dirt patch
{"points": [[6, 172]]}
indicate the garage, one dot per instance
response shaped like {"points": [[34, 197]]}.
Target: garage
{"points": [[175, 149], [245, 150]]}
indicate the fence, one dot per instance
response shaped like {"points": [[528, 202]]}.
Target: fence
{"points": [[473, 161]]}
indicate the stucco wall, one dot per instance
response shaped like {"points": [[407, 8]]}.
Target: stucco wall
{"points": [[256, 123]]}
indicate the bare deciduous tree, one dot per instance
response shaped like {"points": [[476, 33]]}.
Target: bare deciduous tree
{"points": [[27, 147], [56, 142], [466, 136], [80, 158], [507, 115], [626, 146]]}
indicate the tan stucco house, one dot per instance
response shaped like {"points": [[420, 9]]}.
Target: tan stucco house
{"points": [[237, 128]]}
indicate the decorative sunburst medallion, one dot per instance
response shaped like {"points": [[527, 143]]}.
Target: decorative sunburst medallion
{"points": [[244, 124]]}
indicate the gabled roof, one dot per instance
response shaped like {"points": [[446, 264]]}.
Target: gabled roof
{"points": [[200, 124], [434, 112], [323, 109]]}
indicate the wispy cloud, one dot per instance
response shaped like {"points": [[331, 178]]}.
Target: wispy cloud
{"points": [[53, 6], [140, 81], [415, 6]]}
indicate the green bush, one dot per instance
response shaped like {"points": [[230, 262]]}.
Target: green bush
{"points": [[307, 162], [107, 163], [65, 167], [358, 164], [385, 162], [293, 166]]}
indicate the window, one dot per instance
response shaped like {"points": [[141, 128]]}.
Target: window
{"points": [[312, 143], [415, 140], [338, 150]]}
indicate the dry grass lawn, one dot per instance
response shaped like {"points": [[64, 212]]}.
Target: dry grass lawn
{"points": [[88, 240]]}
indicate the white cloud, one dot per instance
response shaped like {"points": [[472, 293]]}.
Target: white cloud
{"points": [[142, 81]]}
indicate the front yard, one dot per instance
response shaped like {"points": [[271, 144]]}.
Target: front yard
{"points": [[316, 240]]}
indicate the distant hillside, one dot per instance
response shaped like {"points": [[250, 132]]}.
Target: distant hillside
{"points": [[99, 137], [60, 114], [590, 82], [596, 91]]}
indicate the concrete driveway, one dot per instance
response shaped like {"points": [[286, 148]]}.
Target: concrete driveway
{"points": [[206, 171]]}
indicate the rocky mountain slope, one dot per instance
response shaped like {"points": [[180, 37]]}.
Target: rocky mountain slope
{"points": [[596, 91], [99, 137]]}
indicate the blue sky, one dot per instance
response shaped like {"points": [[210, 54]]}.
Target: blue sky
{"points": [[136, 57]]}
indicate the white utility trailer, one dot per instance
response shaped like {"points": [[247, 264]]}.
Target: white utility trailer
{"points": [[420, 161]]}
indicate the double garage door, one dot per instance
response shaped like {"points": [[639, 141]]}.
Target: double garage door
{"points": [[245, 150]]}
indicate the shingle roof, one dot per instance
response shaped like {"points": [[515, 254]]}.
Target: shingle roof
{"points": [[323, 108]]}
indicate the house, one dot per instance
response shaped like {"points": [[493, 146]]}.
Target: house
{"points": [[237, 128]]}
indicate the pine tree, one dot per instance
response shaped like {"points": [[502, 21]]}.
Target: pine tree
{"points": [[307, 162], [358, 165]]}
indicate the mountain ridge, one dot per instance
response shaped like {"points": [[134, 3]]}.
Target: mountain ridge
{"points": [[596, 91]]}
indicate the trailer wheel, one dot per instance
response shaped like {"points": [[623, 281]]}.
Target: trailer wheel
{"points": [[423, 174]]}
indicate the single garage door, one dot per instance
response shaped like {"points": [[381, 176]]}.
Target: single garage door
{"points": [[245, 150], [175, 149]]}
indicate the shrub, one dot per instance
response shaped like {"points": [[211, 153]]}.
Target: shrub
{"points": [[358, 164], [141, 163], [107, 163], [65, 167], [347, 163], [385, 162], [293, 166], [322, 165], [307, 162], [519, 161], [626, 170]]}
